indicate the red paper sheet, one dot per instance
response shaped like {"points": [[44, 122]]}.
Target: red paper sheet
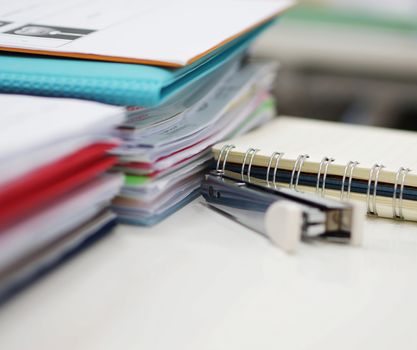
{"points": [[19, 197]]}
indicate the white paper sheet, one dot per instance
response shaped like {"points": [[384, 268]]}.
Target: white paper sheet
{"points": [[212, 118], [167, 32], [29, 122], [47, 224]]}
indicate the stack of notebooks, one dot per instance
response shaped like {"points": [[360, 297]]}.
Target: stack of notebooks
{"points": [[186, 84], [54, 194], [161, 83]]}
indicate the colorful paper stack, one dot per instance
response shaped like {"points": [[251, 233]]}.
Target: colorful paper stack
{"points": [[165, 157], [54, 195], [180, 71]]}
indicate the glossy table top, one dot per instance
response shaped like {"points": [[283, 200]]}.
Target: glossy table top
{"points": [[201, 281]]}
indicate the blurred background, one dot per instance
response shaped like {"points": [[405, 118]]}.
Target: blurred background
{"points": [[347, 60]]}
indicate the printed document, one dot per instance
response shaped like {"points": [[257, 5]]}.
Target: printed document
{"points": [[161, 32]]}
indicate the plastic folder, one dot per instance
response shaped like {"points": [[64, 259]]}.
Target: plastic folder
{"points": [[109, 82]]}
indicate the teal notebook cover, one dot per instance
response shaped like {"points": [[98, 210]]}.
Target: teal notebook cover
{"points": [[113, 83]]}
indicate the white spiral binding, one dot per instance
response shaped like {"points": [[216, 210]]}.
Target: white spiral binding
{"points": [[226, 150], [374, 173], [325, 162], [277, 157], [373, 176], [397, 204], [350, 167], [251, 152], [297, 168]]}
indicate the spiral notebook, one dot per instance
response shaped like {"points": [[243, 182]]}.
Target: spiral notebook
{"points": [[371, 164]]}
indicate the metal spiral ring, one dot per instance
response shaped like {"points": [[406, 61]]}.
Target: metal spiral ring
{"points": [[406, 171], [226, 156], [350, 178], [325, 162], [250, 163], [226, 150], [400, 172], [250, 152], [277, 157], [326, 168], [294, 168], [373, 175], [325, 159], [350, 166], [297, 168], [403, 172]]}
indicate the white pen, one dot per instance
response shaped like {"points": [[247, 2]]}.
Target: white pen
{"points": [[285, 216]]}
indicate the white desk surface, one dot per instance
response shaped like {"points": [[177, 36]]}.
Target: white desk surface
{"points": [[201, 281]]}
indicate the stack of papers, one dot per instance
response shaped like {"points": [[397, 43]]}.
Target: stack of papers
{"points": [[209, 92], [194, 37], [173, 78], [164, 160], [54, 195]]}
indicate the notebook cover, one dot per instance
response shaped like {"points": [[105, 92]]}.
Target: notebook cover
{"points": [[108, 82]]}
